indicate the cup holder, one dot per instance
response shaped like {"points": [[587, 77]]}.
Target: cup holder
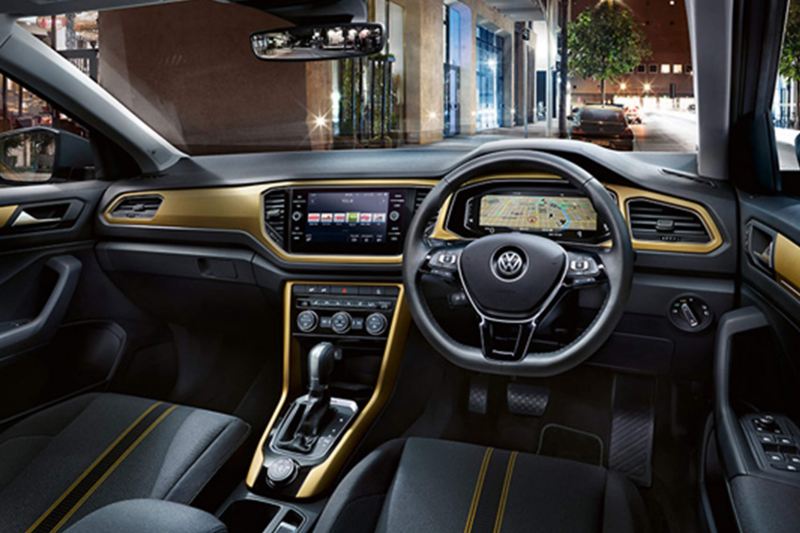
{"points": [[249, 516], [258, 516]]}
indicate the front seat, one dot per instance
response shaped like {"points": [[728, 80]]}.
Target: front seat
{"points": [[62, 463], [435, 485]]}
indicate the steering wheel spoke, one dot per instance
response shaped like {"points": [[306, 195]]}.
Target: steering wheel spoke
{"points": [[504, 340]]}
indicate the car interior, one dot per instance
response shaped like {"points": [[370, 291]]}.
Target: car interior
{"points": [[519, 335]]}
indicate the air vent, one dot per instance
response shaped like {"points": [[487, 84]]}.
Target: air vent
{"points": [[654, 221], [275, 215], [419, 196], [137, 207]]}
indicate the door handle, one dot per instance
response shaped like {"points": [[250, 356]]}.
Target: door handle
{"points": [[26, 219]]}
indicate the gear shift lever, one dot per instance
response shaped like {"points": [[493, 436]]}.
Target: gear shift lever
{"points": [[321, 359]]}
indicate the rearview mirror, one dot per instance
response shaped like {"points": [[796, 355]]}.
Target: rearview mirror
{"points": [[318, 42], [39, 154]]}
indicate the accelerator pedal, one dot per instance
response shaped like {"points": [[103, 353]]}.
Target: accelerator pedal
{"points": [[632, 426]]}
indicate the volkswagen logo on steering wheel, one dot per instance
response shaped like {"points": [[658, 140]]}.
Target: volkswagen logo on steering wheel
{"points": [[509, 264]]}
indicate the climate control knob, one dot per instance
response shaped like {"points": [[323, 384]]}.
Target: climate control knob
{"points": [[341, 322], [307, 321], [375, 324]]}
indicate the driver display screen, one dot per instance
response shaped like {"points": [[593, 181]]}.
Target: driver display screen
{"points": [[551, 214], [356, 217]]}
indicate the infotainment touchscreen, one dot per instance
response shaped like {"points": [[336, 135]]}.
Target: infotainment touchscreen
{"points": [[347, 217], [347, 221]]}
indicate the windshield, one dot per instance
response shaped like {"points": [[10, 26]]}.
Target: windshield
{"points": [[451, 75]]}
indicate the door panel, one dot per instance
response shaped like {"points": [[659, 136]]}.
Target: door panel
{"points": [[54, 340]]}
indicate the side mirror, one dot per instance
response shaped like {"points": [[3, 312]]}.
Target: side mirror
{"points": [[318, 42], [40, 154]]}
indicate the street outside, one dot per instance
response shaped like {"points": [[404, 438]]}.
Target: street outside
{"points": [[661, 130], [666, 131]]}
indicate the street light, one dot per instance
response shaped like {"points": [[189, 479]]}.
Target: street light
{"points": [[623, 86], [647, 87]]}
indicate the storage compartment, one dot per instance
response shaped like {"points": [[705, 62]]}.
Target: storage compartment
{"points": [[249, 516], [246, 512]]}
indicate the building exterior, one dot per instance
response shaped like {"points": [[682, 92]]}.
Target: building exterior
{"points": [[665, 75], [449, 68]]}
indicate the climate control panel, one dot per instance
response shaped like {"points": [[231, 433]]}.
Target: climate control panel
{"points": [[343, 310]]}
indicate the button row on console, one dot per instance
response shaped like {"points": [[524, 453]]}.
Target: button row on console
{"points": [[347, 303], [346, 290]]}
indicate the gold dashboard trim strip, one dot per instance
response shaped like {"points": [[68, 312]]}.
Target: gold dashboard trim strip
{"points": [[242, 209], [6, 212], [321, 477], [787, 264]]}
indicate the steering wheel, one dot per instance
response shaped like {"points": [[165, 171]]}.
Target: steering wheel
{"points": [[512, 280]]}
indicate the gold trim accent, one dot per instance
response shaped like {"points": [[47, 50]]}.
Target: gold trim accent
{"points": [[242, 209], [501, 507], [322, 476], [91, 467], [787, 264], [476, 494], [6, 212], [626, 194], [113, 467]]}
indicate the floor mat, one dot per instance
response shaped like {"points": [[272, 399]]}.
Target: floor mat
{"points": [[568, 443]]}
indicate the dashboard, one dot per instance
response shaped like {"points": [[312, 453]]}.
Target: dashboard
{"points": [[363, 221]]}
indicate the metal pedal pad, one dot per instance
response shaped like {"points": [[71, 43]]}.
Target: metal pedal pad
{"points": [[630, 451], [527, 400], [478, 395]]}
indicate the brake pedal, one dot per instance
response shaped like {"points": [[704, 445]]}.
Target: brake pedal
{"points": [[527, 400], [478, 402], [630, 451]]}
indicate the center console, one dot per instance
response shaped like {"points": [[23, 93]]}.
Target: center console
{"points": [[342, 348]]}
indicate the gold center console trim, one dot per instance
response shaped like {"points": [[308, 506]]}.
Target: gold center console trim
{"points": [[322, 476]]}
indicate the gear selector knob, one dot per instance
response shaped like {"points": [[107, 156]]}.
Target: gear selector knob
{"points": [[321, 359]]}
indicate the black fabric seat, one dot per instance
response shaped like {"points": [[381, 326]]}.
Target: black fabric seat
{"points": [[434, 485], [66, 461]]}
